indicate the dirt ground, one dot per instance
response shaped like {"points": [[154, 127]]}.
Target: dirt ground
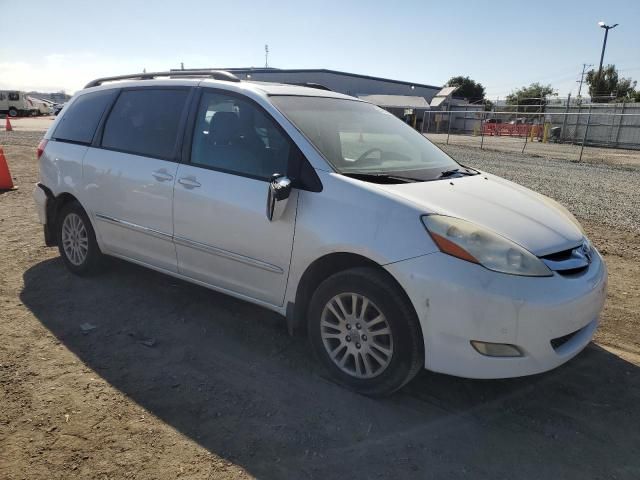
{"points": [[176, 381]]}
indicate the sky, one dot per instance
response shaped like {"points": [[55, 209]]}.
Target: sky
{"points": [[63, 44]]}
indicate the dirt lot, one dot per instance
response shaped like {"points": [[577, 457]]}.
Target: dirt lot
{"points": [[176, 381]]}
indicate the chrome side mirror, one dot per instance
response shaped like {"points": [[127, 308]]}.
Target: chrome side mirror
{"points": [[277, 196]]}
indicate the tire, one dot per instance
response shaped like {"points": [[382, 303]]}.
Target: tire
{"points": [[13, 113], [74, 230], [378, 363]]}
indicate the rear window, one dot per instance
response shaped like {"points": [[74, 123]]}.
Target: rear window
{"points": [[145, 122], [81, 118]]}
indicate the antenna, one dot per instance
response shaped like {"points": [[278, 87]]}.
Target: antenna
{"points": [[266, 56]]}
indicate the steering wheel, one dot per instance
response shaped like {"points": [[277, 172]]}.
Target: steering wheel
{"points": [[369, 152]]}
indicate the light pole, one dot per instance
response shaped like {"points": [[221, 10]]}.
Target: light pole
{"points": [[604, 43]]}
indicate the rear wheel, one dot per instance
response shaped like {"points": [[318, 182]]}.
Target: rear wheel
{"points": [[13, 112], [365, 332], [77, 241]]}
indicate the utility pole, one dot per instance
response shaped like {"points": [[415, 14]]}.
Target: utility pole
{"points": [[604, 43], [584, 67], [266, 56]]}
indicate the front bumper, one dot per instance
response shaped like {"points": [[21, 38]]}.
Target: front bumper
{"points": [[458, 301]]}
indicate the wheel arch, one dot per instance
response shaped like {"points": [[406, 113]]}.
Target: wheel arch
{"points": [[321, 269], [54, 207]]}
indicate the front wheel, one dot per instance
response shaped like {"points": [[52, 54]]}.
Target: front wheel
{"points": [[13, 112], [365, 332], [77, 240]]}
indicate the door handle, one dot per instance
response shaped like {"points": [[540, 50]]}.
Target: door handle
{"points": [[162, 176], [189, 182]]}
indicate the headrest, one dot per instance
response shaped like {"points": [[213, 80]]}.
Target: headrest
{"points": [[224, 125]]}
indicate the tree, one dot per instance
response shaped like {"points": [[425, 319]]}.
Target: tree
{"points": [[467, 88], [530, 99], [608, 86], [488, 105]]}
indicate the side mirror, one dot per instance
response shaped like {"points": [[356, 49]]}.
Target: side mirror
{"points": [[277, 196]]}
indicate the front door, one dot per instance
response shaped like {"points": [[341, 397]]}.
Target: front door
{"points": [[221, 230]]}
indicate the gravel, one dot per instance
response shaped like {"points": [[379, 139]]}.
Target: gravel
{"points": [[602, 193], [607, 194]]}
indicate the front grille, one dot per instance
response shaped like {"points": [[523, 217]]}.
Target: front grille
{"points": [[560, 256], [573, 271], [573, 261]]}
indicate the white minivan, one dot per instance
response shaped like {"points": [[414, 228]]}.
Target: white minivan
{"points": [[326, 209]]}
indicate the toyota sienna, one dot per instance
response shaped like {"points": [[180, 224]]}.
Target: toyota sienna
{"points": [[392, 256]]}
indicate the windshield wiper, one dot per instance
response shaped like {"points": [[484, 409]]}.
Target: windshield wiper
{"points": [[380, 177], [457, 171], [448, 173]]}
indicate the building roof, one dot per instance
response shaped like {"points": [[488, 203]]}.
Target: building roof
{"points": [[395, 101], [442, 96], [318, 70]]}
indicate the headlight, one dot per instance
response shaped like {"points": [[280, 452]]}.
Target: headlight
{"points": [[476, 244]]}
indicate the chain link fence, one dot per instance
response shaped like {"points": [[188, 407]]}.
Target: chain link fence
{"points": [[591, 132]]}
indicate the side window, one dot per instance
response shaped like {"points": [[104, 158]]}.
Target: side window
{"points": [[145, 122], [80, 119], [14, 96], [234, 135]]}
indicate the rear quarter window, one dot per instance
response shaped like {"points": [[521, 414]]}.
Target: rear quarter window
{"points": [[81, 118]]}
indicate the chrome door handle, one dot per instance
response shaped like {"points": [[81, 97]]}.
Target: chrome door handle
{"points": [[189, 182], [162, 176]]}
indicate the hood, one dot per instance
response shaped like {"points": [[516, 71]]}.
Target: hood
{"points": [[530, 219]]}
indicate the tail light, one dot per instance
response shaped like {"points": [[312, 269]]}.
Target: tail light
{"points": [[41, 146]]}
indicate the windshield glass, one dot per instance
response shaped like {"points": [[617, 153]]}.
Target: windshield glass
{"points": [[360, 138]]}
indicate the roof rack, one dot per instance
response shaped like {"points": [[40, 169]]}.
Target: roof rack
{"points": [[319, 86], [215, 74]]}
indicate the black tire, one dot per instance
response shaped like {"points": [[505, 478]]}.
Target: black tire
{"points": [[407, 358], [13, 112], [92, 261]]}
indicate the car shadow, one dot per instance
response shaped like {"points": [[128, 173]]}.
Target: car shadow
{"points": [[226, 374]]}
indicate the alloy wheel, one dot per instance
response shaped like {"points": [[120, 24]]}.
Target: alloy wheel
{"points": [[75, 240], [356, 335]]}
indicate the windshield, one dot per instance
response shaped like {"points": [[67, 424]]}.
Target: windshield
{"points": [[360, 138]]}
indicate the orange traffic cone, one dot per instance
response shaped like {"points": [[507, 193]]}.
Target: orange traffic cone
{"points": [[7, 125], [6, 183]]}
